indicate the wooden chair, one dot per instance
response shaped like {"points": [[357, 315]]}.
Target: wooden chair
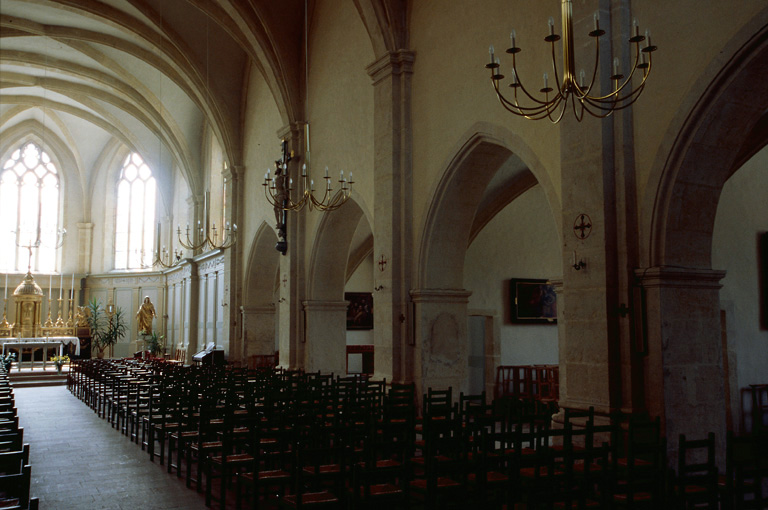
{"points": [[444, 479], [14, 490], [378, 486], [746, 472], [696, 483], [638, 478], [12, 463]]}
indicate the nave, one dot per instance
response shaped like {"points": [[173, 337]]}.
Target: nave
{"points": [[79, 462]]}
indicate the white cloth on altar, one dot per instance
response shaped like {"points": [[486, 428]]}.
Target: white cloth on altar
{"points": [[43, 340]]}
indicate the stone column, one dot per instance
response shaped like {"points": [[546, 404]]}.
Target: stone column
{"points": [[392, 168], [325, 346], [191, 308], [440, 351], [232, 281], [684, 367], [85, 247], [292, 269], [258, 324]]}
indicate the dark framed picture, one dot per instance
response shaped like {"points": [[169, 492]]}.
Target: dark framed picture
{"points": [[532, 301], [359, 310]]}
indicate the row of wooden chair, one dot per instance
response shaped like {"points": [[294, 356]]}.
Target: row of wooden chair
{"points": [[15, 470], [299, 439]]}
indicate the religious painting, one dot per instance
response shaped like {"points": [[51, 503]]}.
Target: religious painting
{"points": [[532, 301], [359, 310]]}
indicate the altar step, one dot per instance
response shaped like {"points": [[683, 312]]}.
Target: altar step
{"points": [[27, 378]]}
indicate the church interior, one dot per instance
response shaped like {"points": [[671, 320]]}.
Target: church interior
{"points": [[605, 258]]}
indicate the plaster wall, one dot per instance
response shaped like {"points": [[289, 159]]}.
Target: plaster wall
{"points": [[261, 148], [519, 242], [452, 90], [694, 43], [340, 110], [742, 215]]}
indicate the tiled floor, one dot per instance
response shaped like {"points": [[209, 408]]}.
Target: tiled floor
{"points": [[80, 462]]}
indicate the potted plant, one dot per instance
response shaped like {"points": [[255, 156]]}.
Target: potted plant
{"points": [[106, 329], [155, 345]]}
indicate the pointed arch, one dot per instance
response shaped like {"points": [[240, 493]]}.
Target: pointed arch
{"points": [[262, 269], [709, 144], [457, 194]]}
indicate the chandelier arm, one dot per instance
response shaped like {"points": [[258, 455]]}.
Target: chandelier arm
{"points": [[578, 114], [546, 112], [532, 98], [600, 112], [585, 93], [558, 86], [562, 110], [615, 93], [613, 102]]}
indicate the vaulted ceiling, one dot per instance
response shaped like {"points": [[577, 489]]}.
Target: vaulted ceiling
{"points": [[154, 75]]}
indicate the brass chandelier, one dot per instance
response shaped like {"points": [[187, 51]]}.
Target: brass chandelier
{"points": [[580, 95], [279, 188]]}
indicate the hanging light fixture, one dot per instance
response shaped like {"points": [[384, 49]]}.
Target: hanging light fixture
{"points": [[206, 236], [580, 95], [279, 188]]}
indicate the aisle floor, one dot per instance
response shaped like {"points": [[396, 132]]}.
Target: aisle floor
{"points": [[79, 462]]}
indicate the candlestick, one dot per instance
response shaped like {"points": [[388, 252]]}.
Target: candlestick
{"points": [[6, 286], [50, 286], [61, 284]]}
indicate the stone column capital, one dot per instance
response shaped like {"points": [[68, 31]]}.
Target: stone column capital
{"points": [[327, 306], [681, 277], [440, 295], [265, 309], [394, 62]]}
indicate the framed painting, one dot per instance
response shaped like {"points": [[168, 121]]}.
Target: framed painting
{"points": [[359, 310], [532, 301]]}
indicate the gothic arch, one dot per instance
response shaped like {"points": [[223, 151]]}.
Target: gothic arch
{"points": [[262, 268], [457, 194], [330, 252], [708, 147]]}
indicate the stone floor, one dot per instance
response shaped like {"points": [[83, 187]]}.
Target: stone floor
{"points": [[79, 462]]}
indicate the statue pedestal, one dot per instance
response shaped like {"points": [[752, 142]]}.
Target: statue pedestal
{"points": [[141, 342]]}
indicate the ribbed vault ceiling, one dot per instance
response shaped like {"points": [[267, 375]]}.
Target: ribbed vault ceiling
{"points": [[154, 75]]}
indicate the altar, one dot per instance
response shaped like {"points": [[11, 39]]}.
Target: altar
{"points": [[45, 343]]}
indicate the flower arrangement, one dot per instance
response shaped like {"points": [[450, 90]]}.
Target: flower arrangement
{"points": [[60, 360]]}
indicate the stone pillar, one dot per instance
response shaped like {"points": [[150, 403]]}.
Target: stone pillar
{"points": [[440, 354], [292, 270], [232, 281], [325, 346], [392, 169], [685, 381], [258, 323], [191, 308], [85, 247]]}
